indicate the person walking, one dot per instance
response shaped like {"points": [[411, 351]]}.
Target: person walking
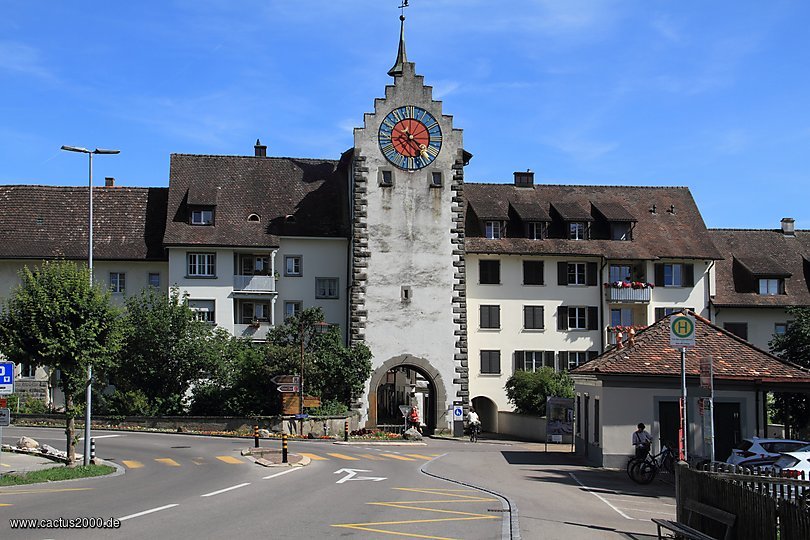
{"points": [[413, 419], [641, 441]]}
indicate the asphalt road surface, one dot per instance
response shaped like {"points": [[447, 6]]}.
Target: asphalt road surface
{"points": [[184, 486]]}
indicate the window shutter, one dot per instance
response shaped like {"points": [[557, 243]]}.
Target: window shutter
{"points": [[519, 360], [562, 273], [527, 319], [590, 273], [541, 278], [593, 318], [542, 321], [563, 356], [689, 275], [592, 355], [548, 359], [659, 275], [496, 317], [638, 272], [660, 313], [562, 318]]}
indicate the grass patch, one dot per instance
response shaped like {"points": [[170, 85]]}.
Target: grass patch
{"points": [[55, 474]]}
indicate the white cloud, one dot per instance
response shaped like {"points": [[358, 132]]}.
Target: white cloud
{"points": [[21, 58]]}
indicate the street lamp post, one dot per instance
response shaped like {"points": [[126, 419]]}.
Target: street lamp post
{"points": [[89, 389]]}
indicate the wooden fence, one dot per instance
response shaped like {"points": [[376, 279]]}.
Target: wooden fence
{"points": [[766, 507]]}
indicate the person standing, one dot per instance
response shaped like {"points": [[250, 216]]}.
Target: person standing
{"points": [[413, 419], [641, 441]]}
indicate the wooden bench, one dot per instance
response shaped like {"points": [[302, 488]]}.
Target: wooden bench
{"points": [[693, 509]]}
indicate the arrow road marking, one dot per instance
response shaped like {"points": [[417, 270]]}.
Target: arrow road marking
{"points": [[351, 473]]}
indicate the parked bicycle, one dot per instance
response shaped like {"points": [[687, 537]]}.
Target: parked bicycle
{"points": [[644, 471]]}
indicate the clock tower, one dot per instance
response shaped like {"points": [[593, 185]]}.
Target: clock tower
{"points": [[407, 296]]}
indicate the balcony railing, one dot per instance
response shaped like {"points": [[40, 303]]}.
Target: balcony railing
{"points": [[627, 295], [252, 331], [254, 283]]}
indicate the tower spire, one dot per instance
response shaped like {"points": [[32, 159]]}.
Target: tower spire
{"points": [[402, 57]]}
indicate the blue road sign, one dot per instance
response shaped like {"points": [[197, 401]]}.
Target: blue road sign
{"points": [[458, 412], [6, 378]]}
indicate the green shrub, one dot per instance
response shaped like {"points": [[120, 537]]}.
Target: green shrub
{"points": [[528, 391]]}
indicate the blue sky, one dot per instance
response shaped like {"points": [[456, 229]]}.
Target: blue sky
{"points": [[710, 95]]}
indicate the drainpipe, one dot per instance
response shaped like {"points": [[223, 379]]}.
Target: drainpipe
{"points": [[709, 290], [275, 289], [602, 303]]}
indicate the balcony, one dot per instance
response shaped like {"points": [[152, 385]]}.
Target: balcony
{"points": [[254, 283], [627, 294], [252, 331]]}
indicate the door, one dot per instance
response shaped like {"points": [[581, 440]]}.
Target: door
{"points": [[586, 425], [727, 432], [669, 422]]}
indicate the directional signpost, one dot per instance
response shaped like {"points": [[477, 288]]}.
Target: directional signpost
{"points": [[287, 388], [286, 379]]}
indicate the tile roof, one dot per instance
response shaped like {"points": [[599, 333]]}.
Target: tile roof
{"points": [[613, 211], [571, 211], [51, 222], [749, 254], [663, 234], [733, 358], [291, 196]]}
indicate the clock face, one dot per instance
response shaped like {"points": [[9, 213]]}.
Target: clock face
{"points": [[410, 137]]}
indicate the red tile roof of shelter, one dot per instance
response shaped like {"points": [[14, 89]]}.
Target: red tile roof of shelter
{"points": [[733, 358], [44, 222]]}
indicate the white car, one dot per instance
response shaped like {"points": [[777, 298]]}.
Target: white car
{"points": [[794, 464], [760, 451]]}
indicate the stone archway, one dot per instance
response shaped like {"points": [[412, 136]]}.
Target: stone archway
{"points": [[487, 412], [435, 416]]}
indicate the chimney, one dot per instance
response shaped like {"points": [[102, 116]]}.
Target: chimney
{"points": [[789, 226], [260, 149], [109, 181], [524, 179]]}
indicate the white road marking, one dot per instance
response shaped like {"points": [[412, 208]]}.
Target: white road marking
{"points": [[282, 472], [601, 498], [101, 437], [351, 473], [139, 514], [226, 489]]}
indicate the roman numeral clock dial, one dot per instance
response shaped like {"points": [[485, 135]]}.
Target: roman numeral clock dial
{"points": [[410, 138]]}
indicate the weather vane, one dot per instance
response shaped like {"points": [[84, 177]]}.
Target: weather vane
{"points": [[403, 6]]}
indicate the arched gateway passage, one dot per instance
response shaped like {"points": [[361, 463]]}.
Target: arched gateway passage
{"points": [[406, 380]]}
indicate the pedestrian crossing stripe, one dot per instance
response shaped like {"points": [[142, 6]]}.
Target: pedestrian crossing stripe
{"points": [[132, 464], [344, 456], [372, 458], [314, 457], [394, 456], [167, 461], [230, 459], [419, 456]]}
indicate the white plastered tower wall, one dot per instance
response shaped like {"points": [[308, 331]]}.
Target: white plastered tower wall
{"points": [[410, 234]]}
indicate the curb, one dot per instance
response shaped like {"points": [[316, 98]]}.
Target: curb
{"points": [[379, 443]]}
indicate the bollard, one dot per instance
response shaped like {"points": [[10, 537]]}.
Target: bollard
{"points": [[92, 449], [284, 448], [346, 431], [256, 436]]}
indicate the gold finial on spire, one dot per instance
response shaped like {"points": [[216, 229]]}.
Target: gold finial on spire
{"points": [[402, 57]]}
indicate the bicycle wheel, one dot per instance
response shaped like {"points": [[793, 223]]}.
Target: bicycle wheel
{"points": [[668, 464], [630, 464], [645, 472]]}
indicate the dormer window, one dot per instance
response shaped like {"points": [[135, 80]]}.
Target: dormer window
{"points": [[621, 230], [576, 230], [202, 216], [493, 229], [535, 230], [771, 286]]}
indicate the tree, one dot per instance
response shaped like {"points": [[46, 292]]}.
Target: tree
{"points": [[332, 371], [528, 390], [794, 345], [167, 351], [54, 318]]}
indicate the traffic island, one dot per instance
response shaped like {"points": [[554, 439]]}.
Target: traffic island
{"points": [[271, 457]]}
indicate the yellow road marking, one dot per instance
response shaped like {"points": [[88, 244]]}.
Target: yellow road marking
{"points": [[167, 461], [394, 456], [447, 492], [409, 507], [132, 464], [5, 464], [394, 533], [343, 456], [54, 490], [230, 459], [438, 501], [314, 457], [373, 458], [5, 504], [419, 456], [198, 461]]}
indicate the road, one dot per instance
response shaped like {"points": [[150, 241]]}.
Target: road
{"points": [[183, 486]]}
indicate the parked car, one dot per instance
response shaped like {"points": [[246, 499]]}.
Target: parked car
{"points": [[794, 464], [757, 452]]}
